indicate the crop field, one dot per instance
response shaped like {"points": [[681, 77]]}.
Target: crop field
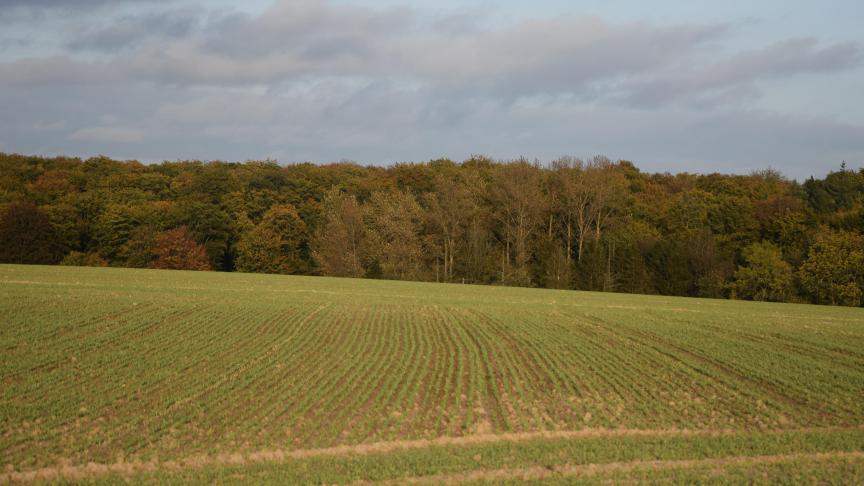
{"points": [[162, 376]]}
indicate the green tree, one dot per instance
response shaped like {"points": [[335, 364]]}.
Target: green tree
{"points": [[732, 221], [839, 190], [834, 270], [276, 244], [260, 251], [690, 211], [113, 228], [765, 276]]}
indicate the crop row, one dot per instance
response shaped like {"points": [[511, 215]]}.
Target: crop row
{"points": [[118, 368]]}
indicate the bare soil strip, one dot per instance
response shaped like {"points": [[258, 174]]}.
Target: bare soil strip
{"points": [[536, 473], [93, 469]]}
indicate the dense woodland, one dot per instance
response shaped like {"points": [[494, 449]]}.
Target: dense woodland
{"points": [[572, 224]]}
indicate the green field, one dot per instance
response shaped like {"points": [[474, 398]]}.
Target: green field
{"points": [[160, 376]]}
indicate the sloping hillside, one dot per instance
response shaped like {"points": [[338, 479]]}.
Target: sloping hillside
{"points": [[211, 376]]}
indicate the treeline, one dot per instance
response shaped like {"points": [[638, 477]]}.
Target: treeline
{"points": [[573, 224]]}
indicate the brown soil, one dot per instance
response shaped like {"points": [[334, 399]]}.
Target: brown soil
{"points": [[77, 472], [536, 473]]}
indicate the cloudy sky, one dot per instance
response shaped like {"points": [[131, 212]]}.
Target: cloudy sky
{"points": [[673, 85]]}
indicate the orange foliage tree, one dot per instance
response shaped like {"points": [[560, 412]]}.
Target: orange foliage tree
{"points": [[176, 250]]}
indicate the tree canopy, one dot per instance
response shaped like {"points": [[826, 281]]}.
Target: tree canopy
{"points": [[592, 224]]}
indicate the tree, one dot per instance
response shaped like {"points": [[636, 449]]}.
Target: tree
{"points": [[608, 191], [51, 185], [113, 228], [518, 204], [626, 247], [446, 211], [579, 224], [176, 250], [394, 220], [67, 225], [336, 246], [690, 212], [834, 270], [590, 195], [275, 245], [839, 190], [787, 226], [575, 200], [284, 221], [137, 252], [765, 276], [209, 224], [732, 221], [27, 236], [260, 251]]}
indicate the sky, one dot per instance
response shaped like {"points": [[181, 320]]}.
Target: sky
{"points": [[673, 85]]}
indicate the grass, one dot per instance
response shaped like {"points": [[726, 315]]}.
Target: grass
{"points": [[168, 376]]}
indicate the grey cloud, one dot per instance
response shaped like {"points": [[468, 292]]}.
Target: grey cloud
{"points": [[746, 140], [37, 12], [57, 71], [305, 38], [310, 80], [67, 3], [735, 76], [6, 42], [108, 135], [311, 32], [130, 30], [555, 54], [795, 56], [379, 122], [298, 40], [673, 140]]}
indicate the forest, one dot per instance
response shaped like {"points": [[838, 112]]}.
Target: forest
{"points": [[592, 224]]}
